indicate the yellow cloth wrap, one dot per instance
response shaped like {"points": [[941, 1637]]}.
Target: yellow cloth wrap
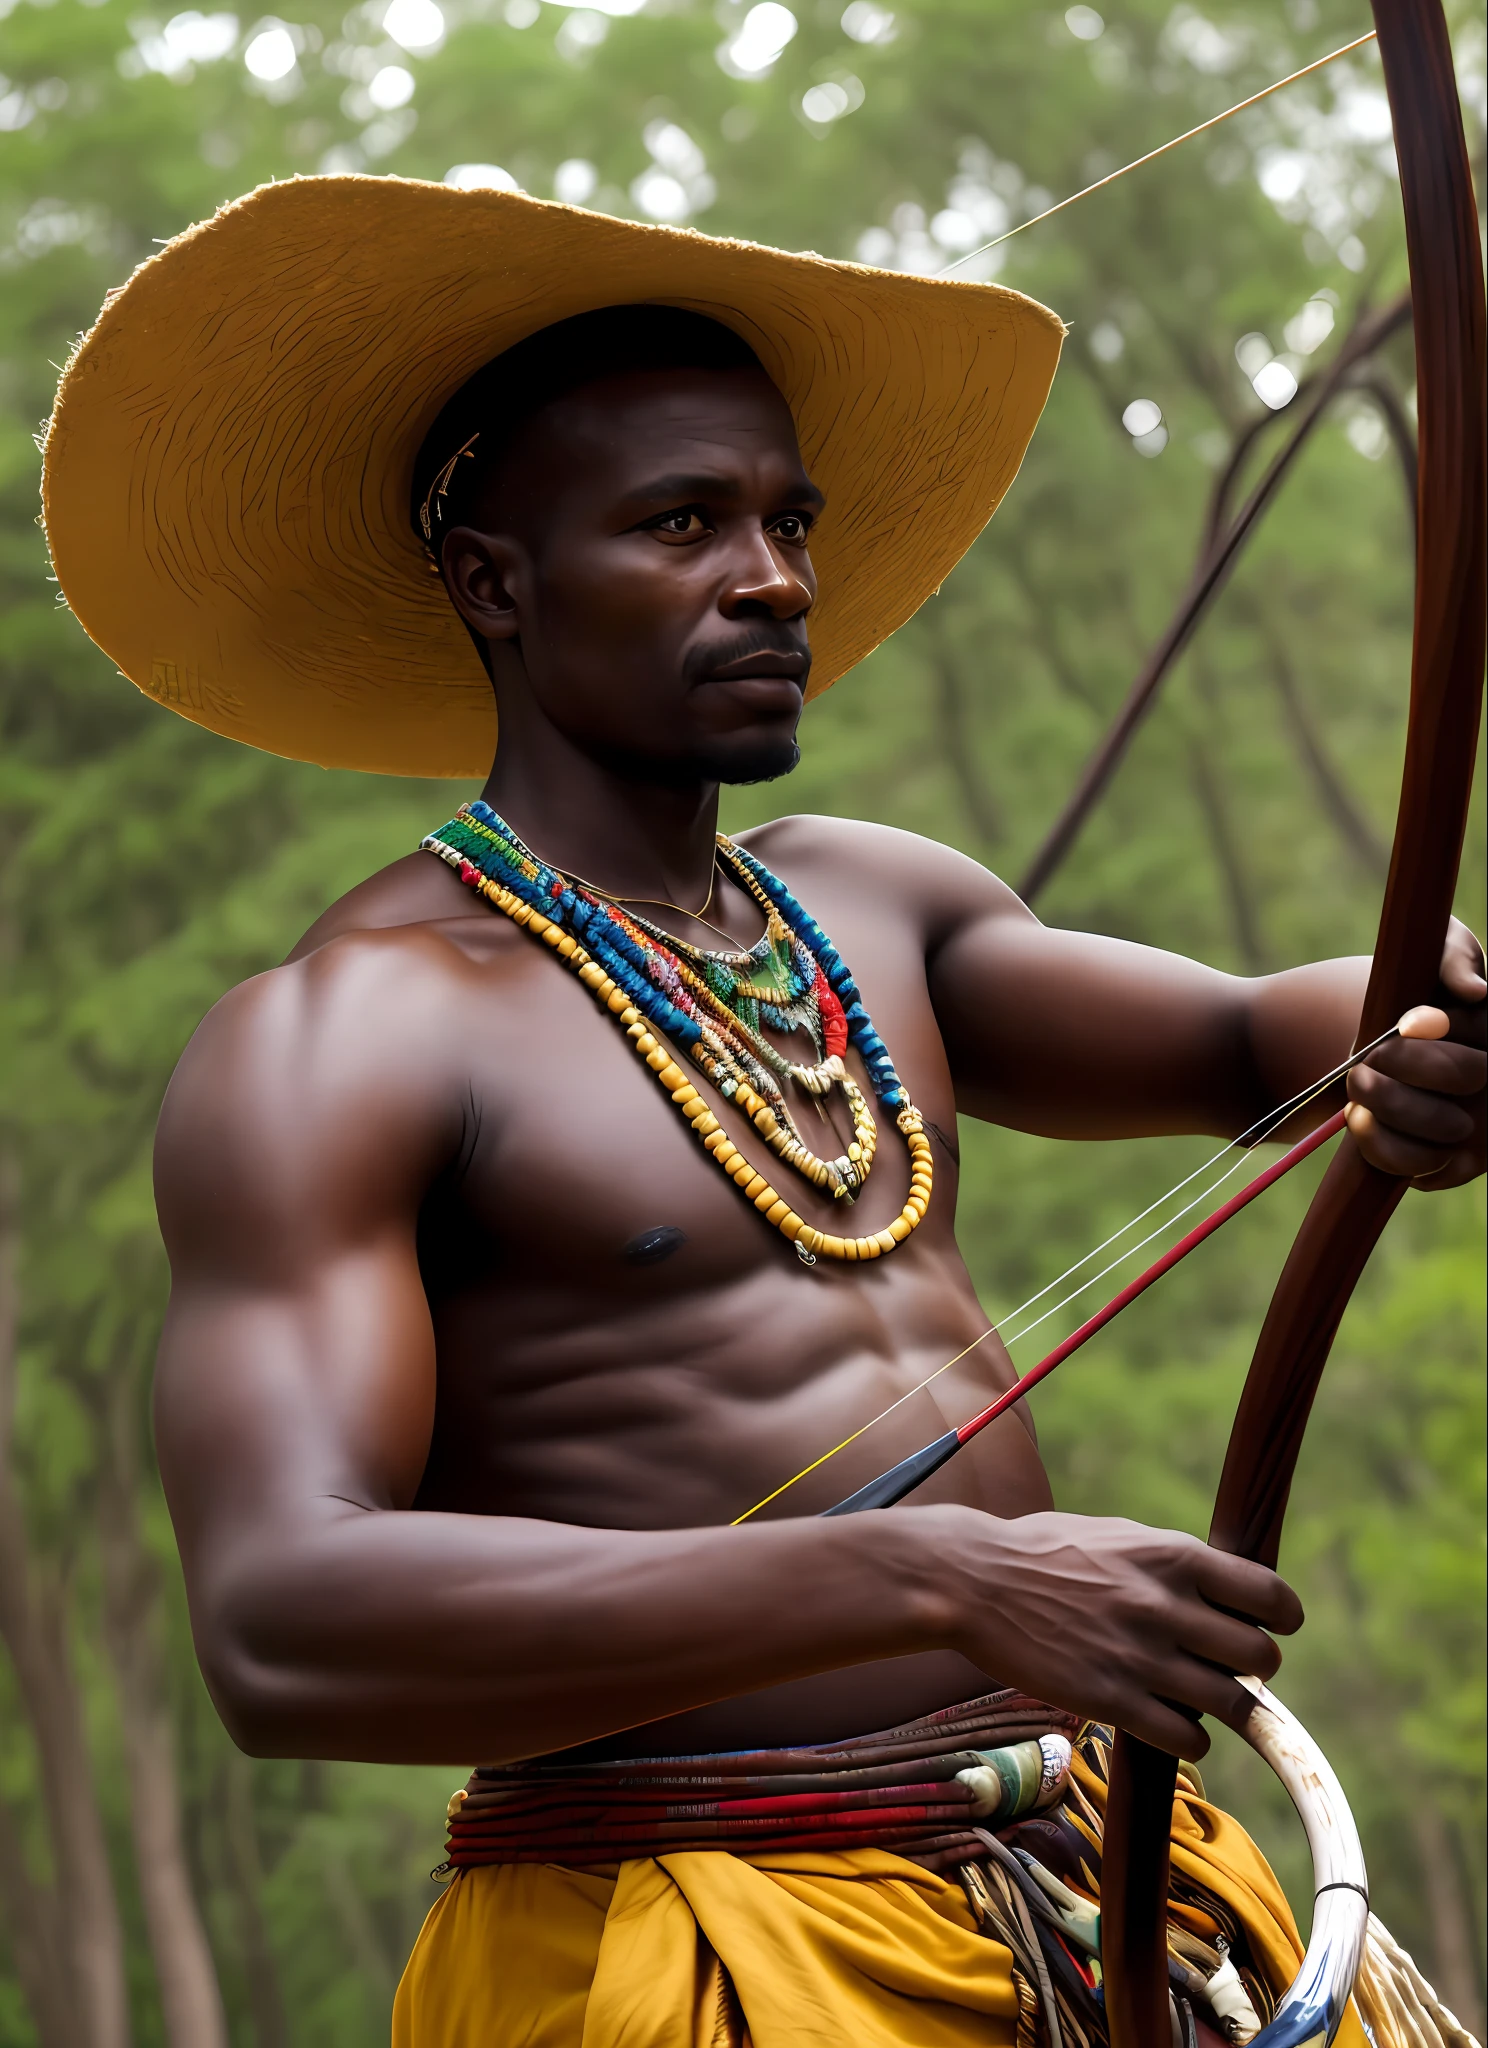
{"points": [[823, 1951], [858, 1950]]}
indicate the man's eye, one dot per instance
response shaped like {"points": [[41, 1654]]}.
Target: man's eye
{"points": [[792, 528], [688, 524]]}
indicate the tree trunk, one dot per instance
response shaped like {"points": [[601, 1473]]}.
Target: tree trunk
{"points": [[37, 1938], [1453, 1965], [190, 2000], [265, 1999], [352, 1912], [33, 1627]]}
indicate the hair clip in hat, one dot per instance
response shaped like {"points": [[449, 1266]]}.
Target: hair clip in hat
{"points": [[440, 489]]}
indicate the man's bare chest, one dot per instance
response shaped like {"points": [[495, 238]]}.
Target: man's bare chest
{"points": [[621, 1335], [576, 1158]]}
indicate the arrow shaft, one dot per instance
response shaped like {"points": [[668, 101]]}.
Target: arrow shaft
{"points": [[903, 1478]]}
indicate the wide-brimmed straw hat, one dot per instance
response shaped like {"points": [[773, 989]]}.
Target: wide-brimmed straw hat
{"points": [[227, 474]]}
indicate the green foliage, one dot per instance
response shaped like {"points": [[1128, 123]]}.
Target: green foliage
{"points": [[148, 865]]}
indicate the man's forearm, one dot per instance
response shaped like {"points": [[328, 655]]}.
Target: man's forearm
{"points": [[420, 1638], [425, 1638], [1074, 1035], [1300, 1024], [1415, 1106]]}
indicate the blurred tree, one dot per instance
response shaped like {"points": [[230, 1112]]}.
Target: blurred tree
{"points": [[147, 1872]]}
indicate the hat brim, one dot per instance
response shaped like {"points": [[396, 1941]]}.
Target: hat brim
{"points": [[228, 464]]}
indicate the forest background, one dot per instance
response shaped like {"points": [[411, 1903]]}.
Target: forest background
{"points": [[155, 1885]]}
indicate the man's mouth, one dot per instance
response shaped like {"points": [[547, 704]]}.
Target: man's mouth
{"points": [[762, 663]]}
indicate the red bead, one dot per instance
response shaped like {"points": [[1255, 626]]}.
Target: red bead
{"points": [[834, 1022]]}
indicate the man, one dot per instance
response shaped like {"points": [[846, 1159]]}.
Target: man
{"points": [[473, 1357]]}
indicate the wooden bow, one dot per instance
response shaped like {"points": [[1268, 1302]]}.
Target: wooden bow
{"points": [[1354, 1202]]}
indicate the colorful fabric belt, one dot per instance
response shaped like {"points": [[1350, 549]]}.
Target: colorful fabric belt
{"points": [[922, 1790], [1004, 1793]]}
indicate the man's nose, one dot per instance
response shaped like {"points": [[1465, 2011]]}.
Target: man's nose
{"points": [[769, 580]]}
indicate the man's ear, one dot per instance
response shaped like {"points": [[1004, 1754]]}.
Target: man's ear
{"points": [[484, 575]]}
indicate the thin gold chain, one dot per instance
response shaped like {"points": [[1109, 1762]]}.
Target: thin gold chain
{"points": [[661, 903]]}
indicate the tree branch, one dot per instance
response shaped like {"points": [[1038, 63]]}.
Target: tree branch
{"points": [[956, 743], [1333, 793], [1216, 561], [1064, 671], [1375, 385], [1209, 789]]}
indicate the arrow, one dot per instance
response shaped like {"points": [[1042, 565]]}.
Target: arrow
{"points": [[910, 1472]]}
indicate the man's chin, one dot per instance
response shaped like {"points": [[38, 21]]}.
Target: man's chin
{"points": [[761, 761], [734, 758]]}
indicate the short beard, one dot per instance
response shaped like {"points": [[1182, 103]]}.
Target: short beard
{"points": [[764, 763], [744, 759], [734, 765]]}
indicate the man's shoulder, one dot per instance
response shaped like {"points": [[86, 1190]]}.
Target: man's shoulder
{"points": [[927, 873], [366, 998], [348, 988], [417, 890], [817, 836]]}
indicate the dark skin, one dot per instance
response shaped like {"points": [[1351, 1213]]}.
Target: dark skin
{"points": [[451, 1471]]}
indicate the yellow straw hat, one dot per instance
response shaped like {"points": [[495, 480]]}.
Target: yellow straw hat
{"points": [[227, 475]]}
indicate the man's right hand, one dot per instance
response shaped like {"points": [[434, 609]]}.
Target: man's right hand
{"points": [[1113, 1620]]}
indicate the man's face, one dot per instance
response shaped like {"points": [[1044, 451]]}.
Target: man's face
{"points": [[639, 562]]}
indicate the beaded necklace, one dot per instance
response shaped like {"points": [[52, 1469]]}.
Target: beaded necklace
{"points": [[712, 1006]]}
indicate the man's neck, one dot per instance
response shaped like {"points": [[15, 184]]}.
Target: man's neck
{"points": [[632, 838]]}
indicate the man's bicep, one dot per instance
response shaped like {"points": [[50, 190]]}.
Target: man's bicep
{"points": [[270, 1404], [1073, 1034], [297, 1359]]}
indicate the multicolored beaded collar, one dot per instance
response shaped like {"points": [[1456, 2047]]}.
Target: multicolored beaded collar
{"points": [[711, 1005]]}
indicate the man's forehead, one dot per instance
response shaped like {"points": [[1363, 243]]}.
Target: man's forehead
{"points": [[676, 423], [535, 393], [683, 401]]}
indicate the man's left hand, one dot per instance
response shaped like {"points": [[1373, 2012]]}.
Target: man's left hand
{"points": [[1416, 1107]]}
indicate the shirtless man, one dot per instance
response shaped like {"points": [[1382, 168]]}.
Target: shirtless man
{"points": [[472, 1355]]}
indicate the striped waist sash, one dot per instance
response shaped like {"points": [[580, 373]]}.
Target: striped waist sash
{"points": [[922, 1790]]}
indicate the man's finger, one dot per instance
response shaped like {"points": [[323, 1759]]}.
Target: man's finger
{"points": [[1446, 1066], [1460, 1168], [1463, 978], [1462, 964], [1425, 1021], [1237, 1586], [1153, 1720], [1227, 1642], [1413, 1111], [1198, 1685], [1408, 1158]]}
